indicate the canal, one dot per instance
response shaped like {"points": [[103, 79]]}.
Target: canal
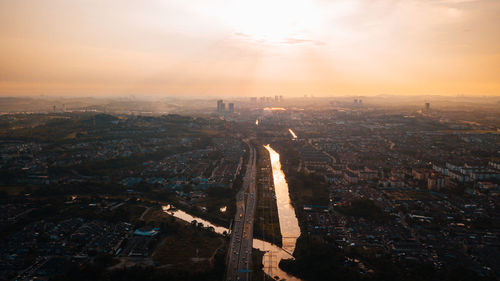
{"points": [[289, 225]]}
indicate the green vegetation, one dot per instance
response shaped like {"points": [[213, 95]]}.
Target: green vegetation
{"points": [[323, 261], [183, 242], [179, 246], [318, 261], [96, 272], [365, 208], [258, 273], [91, 126]]}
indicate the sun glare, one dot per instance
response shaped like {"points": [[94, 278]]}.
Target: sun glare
{"points": [[273, 21]]}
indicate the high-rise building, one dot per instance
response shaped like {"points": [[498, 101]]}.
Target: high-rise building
{"points": [[253, 99], [219, 105], [54, 109], [222, 108], [276, 98], [230, 107], [427, 106]]}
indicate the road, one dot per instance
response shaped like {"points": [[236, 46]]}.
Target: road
{"points": [[239, 260]]}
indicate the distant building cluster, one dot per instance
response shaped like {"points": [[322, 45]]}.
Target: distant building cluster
{"points": [[221, 107], [268, 100]]}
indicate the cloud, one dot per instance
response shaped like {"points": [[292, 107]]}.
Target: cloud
{"points": [[303, 41], [241, 34], [457, 1]]}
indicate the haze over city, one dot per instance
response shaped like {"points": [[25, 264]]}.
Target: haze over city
{"points": [[247, 48], [262, 140]]}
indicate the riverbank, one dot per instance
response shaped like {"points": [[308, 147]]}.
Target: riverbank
{"points": [[312, 190], [273, 254], [289, 225], [258, 266], [268, 255], [219, 206], [319, 257], [214, 215], [304, 189], [266, 221]]}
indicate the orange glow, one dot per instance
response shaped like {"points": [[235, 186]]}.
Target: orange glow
{"points": [[216, 47]]}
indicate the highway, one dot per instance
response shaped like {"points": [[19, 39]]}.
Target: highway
{"points": [[239, 258]]}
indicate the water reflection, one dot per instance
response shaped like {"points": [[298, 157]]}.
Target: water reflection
{"points": [[274, 108], [289, 224], [273, 254], [180, 214]]}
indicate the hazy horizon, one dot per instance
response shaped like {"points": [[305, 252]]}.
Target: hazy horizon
{"points": [[215, 96]]}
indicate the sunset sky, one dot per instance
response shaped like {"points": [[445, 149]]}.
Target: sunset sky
{"points": [[249, 48]]}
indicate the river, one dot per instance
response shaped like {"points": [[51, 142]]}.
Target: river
{"points": [[289, 225]]}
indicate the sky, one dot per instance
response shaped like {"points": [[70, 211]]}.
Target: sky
{"points": [[249, 48]]}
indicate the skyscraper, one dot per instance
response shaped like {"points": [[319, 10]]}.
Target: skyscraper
{"points": [[427, 106], [230, 108], [219, 105]]}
